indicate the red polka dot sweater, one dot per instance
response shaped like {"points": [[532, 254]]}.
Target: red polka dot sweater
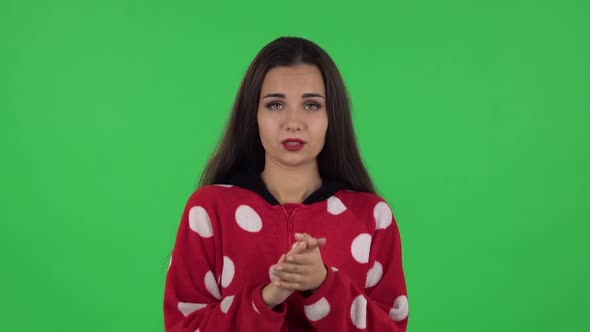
{"points": [[230, 235]]}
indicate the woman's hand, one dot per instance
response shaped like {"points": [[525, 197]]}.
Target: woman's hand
{"points": [[272, 293], [303, 271]]}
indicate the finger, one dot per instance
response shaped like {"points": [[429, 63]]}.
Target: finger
{"points": [[287, 285], [291, 268], [302, 236], [300, 259], [297, 248], [302, 248], [307, 243], [310, 239], [273, 267], [312, 243], [316, 243], [273, 272], [289, 277]]}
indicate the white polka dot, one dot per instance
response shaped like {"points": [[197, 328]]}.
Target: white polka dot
{"points": [[382, 215], [318, 310], [228, 271], [254, 306], [335, 205], [400, 308], [360, 248], [248, 219], [335, 269], [211, 285], [224, 185], [226, 303], [199, 221], [358, 312], [170, 262], [187, 308], [374, 275]]}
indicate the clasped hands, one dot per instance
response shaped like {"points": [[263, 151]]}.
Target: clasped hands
{"points": [[301, 269]]}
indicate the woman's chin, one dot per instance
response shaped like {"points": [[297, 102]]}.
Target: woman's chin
{"points": [[295, 161]]}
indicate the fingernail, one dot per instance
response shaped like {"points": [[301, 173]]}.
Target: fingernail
{"points": [[278, 268]]}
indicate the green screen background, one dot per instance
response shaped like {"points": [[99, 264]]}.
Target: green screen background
{"points": [[471, 116]]}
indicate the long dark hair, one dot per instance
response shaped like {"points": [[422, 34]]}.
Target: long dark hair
{"points": [[240, 147]]}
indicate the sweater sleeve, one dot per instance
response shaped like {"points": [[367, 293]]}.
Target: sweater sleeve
{"points": [[193, 294], [340, 304]]}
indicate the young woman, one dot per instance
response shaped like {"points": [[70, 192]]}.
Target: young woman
{"points": [[286, 232]]}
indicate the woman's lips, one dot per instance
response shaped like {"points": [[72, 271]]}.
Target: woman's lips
{"points": [[293, 145]]}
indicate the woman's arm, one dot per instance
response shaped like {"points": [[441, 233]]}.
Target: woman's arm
{"points": [[381, 304], [192, 295]]}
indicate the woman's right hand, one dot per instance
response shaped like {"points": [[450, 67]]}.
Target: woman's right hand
{"points": [[273, 294]]}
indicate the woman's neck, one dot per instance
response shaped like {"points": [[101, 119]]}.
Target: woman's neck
{"points": [[291, 185]]}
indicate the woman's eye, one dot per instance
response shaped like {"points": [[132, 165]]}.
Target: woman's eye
{"points": [[272, 106], [309, 106], [313, 106]]}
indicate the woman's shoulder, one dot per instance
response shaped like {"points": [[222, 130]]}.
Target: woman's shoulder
{"points": [[371, 207], [210, 193], [360, 197]]}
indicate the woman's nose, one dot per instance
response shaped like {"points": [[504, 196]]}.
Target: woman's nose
{"points": [[293, 119]]}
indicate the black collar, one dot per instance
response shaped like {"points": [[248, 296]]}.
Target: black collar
{"points": [[252, 180]]}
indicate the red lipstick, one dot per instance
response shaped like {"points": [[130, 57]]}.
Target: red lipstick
{"points": [[293, 144]]}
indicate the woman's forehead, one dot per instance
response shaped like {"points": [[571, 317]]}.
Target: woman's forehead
{"points": [[297, 80]]}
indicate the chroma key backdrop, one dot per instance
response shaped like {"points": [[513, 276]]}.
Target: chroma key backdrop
{"points": [[471, 116]]}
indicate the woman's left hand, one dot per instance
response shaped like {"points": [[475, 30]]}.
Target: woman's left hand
{"points": [[304, 271]]}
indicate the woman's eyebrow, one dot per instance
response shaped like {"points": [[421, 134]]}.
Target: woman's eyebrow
{"points": [[307, 95], [281, 95]]}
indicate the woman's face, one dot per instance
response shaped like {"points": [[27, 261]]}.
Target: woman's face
{"points": [[292, 106]]}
